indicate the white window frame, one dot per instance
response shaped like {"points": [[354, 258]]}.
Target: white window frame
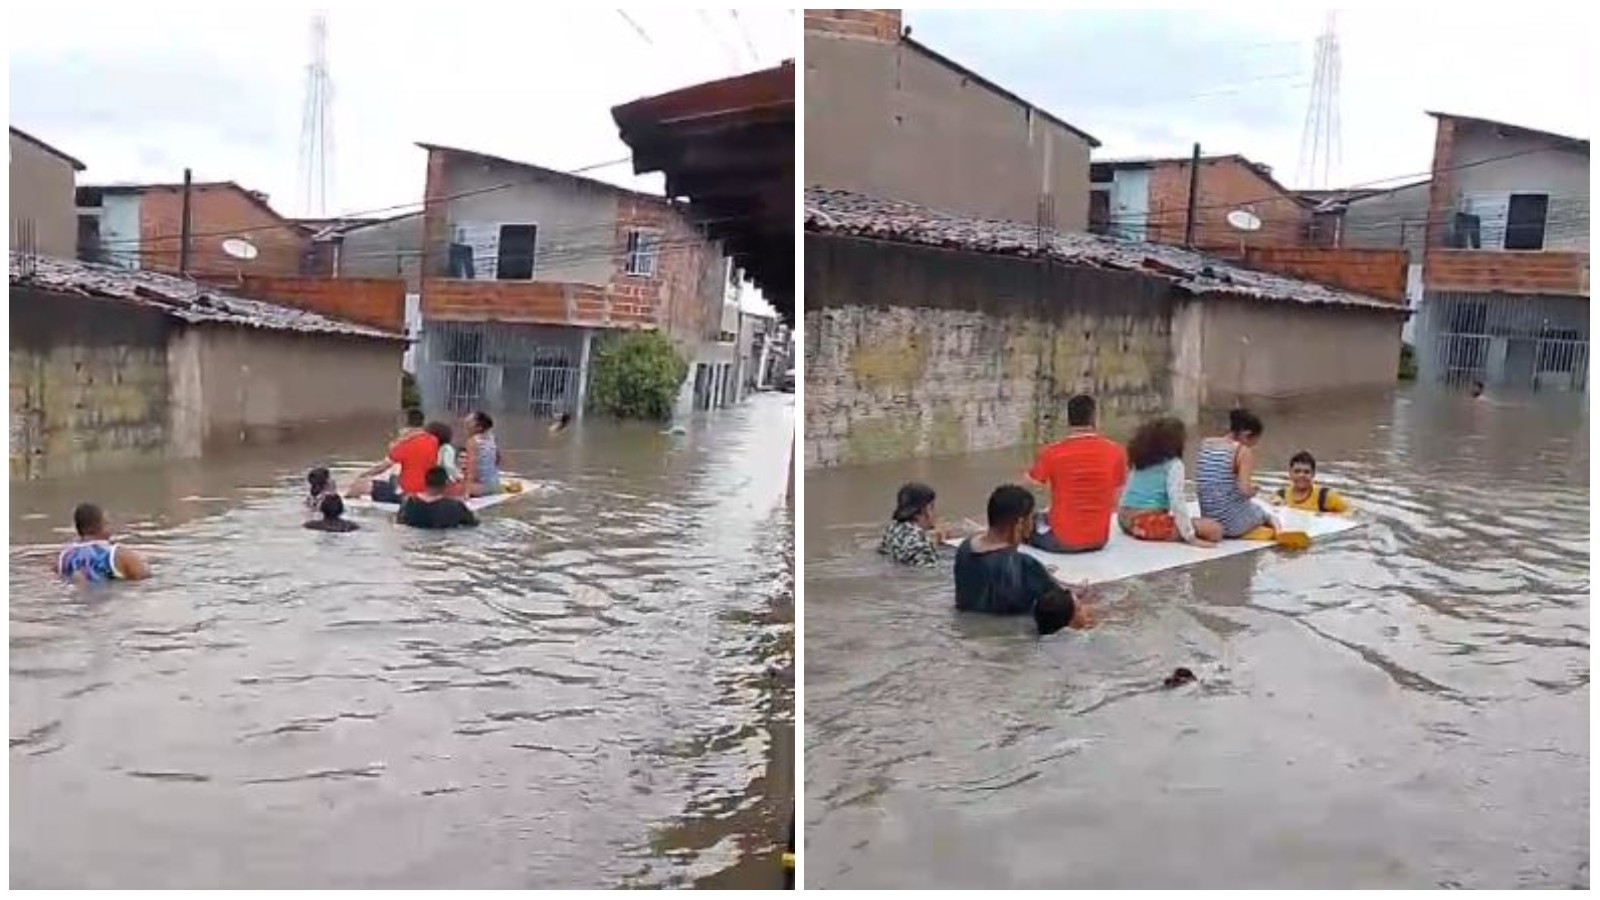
{"points": [[641, 263]]}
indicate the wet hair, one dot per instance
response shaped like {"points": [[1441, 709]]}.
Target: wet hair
{"points": [[1305, 458], [331, 507], [319, 479], [414, 418], [1156, 442], [441, 431], [1243, 421], [1008, 505], [1080, 411], [913, 498], [437, 479], [1053, 611], [88, 519], [483, 421]]}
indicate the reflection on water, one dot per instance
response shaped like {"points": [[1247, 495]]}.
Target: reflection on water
{"points": [[592, 689], [1407, 706]]}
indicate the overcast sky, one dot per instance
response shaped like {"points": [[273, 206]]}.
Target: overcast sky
{"points": [[1149, 82], [140, 91]]}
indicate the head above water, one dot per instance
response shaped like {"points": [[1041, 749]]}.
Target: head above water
{"points": [[1477, 389], [914, 503], [441, 431], [1302, 469], [1080, 411], [331, 507], [1156, 442], [1245, 426], [414, 418], [436, 479], [1053, 612], [319, 479], [90, 521], [1011, 513]]}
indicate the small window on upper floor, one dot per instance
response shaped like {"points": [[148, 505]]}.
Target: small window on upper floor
{"points": [[1525, 221], [514, 260], [643, 248]]}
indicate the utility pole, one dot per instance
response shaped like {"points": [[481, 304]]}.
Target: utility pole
{"points": [[183, 234], [1194, 187]]}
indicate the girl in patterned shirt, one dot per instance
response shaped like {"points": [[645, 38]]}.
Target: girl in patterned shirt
{"points": [[912, 538]]}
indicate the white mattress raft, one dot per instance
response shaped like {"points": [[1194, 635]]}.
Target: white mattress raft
{"points": [[1126, 557], [475, 503]]}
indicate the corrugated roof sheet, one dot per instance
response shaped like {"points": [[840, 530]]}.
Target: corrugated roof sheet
{"points": [[181, 298], [842, 212]]}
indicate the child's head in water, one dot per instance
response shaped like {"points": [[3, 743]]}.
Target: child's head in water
{"points": [[331, 507], [1302, 471], [1054, 611], [319, 480], [1010, 514], [90, 522]]}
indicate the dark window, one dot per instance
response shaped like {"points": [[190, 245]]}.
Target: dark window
{"points": [[643, 248], [516, 252], [1099, 211], [1525, 218]]}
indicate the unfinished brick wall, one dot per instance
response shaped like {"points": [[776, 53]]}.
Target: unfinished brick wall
{"points": [[876, 24], [685, 292], [216, 213], [1496, 271], [1226, 184], [914, 352], [378, 302], [1375, 273]]}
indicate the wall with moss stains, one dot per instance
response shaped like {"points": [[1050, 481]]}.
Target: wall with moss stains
{"points": [[915, 351]]}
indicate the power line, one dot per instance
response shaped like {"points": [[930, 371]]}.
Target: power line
{"points": [[733, 56], [637, 28], [744, 34]]}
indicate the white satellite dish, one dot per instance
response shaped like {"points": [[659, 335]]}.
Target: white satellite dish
{"points": [[239, 248], [1244, 220]]}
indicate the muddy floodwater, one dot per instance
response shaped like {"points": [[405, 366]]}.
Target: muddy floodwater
{"points": [[1407, 706], [593, 689]]}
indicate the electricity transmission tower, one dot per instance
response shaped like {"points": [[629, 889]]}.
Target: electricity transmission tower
{"points": [[1319, 143], [316, 124]]}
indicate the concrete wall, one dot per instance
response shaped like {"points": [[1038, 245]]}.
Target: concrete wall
{"points": [[89, 385], [391, 249], [258, 386], [913, 351], [1270, 353], [43, 186], [886, 119], [1395, 219], [576, 222]]}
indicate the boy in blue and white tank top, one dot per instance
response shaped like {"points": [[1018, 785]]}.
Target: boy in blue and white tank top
{"points": [[92, 558]]}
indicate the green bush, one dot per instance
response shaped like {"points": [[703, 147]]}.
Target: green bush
{"points": [[636, 376], [1408, 362]]}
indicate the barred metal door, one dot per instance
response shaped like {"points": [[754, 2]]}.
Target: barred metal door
{"points": [[553, 384]]}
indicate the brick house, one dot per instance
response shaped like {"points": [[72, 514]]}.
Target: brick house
{"points": [[522, 267], [888, 116], [1148, 200], [1506, 269], [140, 226], [42, 185]]}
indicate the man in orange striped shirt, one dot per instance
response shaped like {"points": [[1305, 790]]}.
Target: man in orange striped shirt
{"points": [[1085, 473]]}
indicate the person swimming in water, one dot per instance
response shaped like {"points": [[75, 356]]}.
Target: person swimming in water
{"points": [[331, 510], [481, 459], [320, 483], [92, 558]]}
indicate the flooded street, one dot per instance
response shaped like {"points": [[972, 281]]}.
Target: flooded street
{"points": [[1406, 706], [593, 689]]}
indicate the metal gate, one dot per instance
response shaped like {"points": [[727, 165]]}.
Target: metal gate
{"points": [[502, 368], [1519, 343]]}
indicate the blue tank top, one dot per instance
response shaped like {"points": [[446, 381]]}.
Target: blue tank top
{"points": [[1147, 488], [97, 560], [1218, 489], [487, 466]]}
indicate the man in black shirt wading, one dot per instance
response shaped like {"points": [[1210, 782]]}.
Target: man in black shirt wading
{"points": [[432, 509]]}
